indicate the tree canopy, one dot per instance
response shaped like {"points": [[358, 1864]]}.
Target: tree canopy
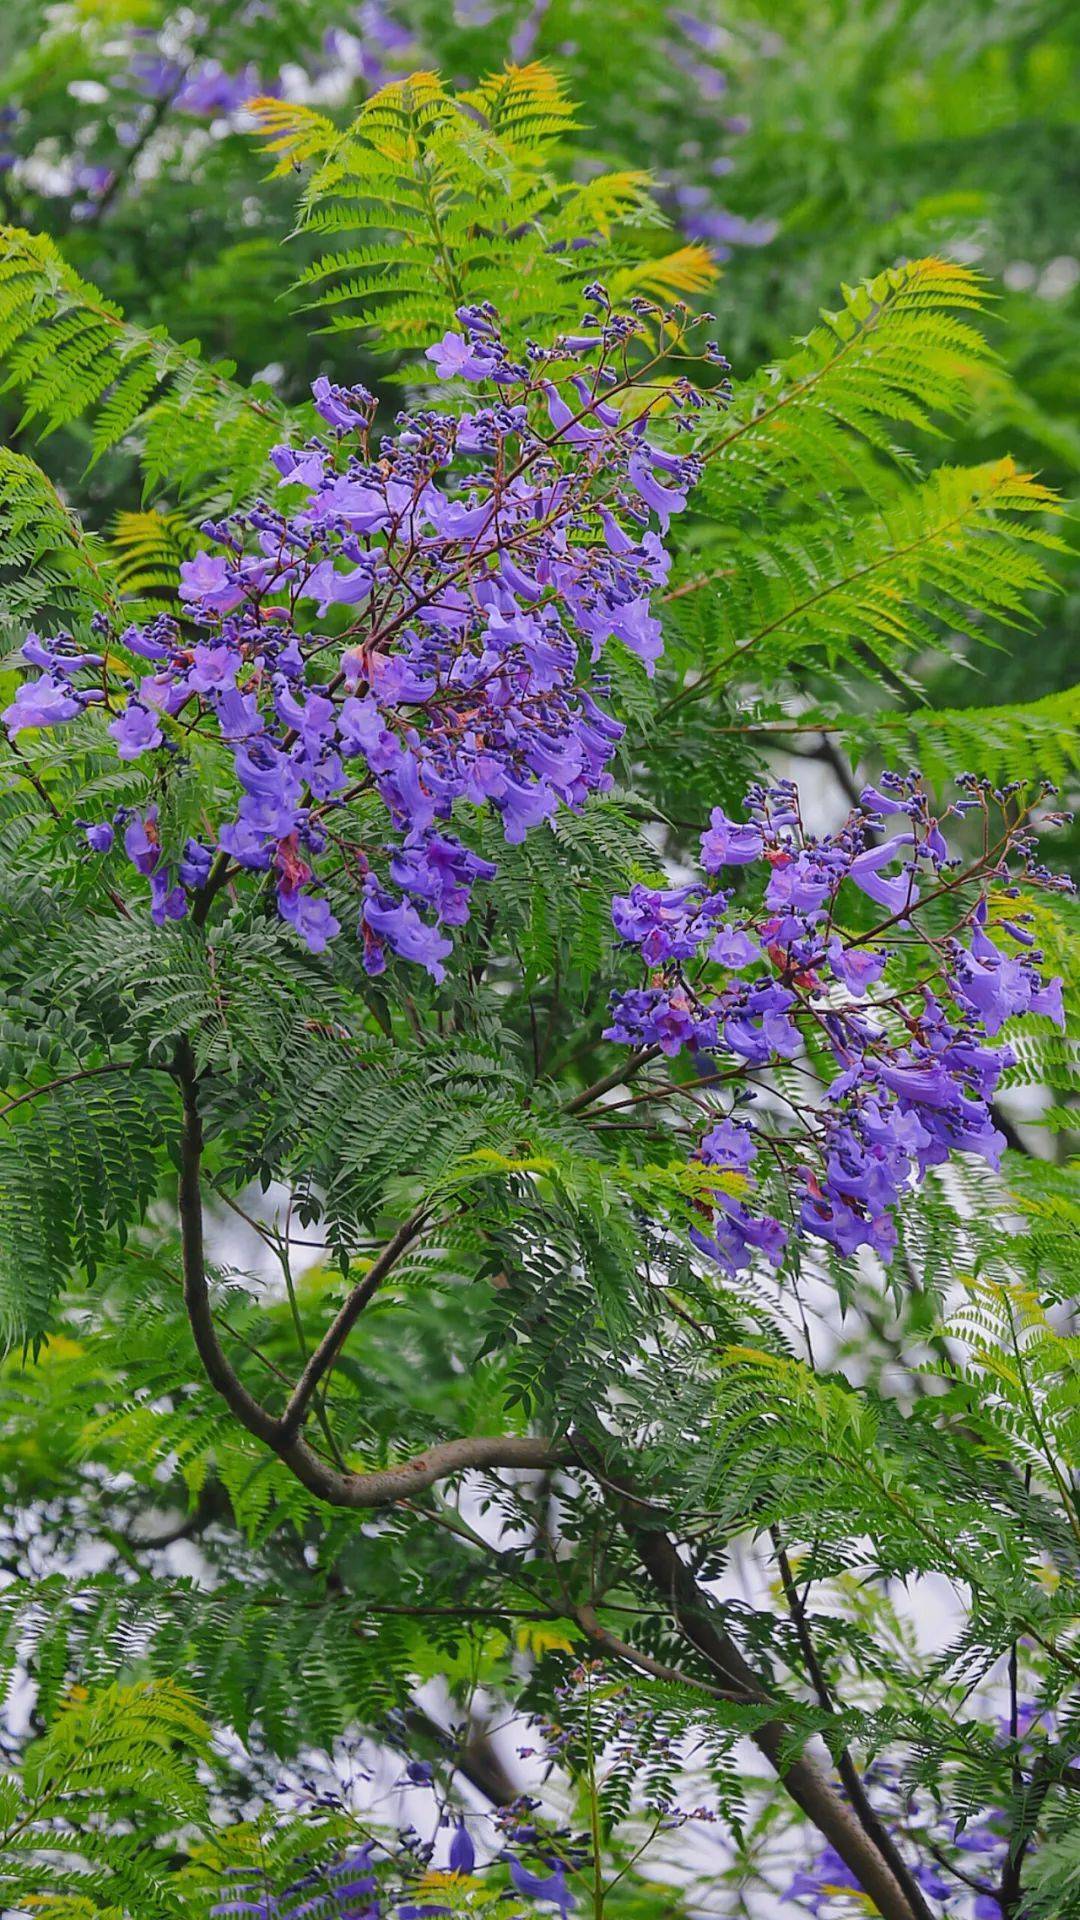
{"points": [[539, 1257]]}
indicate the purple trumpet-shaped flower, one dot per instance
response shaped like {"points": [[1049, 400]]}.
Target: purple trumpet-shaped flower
{"points": [[456, 358], [135, 731], [206, 582], [898, 894], [45, 702], [100, 835], [550, 1887], [344, 408], [141, 842], [728, 843], [397, 925], [462, 1851], [914, 1076], [167, 902], [855, 967]]}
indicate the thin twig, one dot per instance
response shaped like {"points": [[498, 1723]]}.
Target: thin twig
{"points": [[67, 1080]]}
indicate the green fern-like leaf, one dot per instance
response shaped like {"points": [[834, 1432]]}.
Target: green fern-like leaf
{"points": [[71, 355], [454, 198], [50, 566]]}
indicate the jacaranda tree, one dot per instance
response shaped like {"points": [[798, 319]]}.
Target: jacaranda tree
{"points": [[532, 1051]]}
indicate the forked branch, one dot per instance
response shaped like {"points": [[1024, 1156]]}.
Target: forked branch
{"points": [[339, 1489]]}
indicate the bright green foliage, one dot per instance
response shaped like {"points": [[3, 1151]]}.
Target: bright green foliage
{"points": [[122, 1753], [948, 552], [71, 354], [454, 199], [48, 561]]}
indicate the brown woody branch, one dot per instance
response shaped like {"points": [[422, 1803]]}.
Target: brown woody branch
{"points": [[864, 1809], [701, 1622], [67, 1080], [622, 1650], [697, 1616], [615, 1078], [338, 1488], [329, 1347]]}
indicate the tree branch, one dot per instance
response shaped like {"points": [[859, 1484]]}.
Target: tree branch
{"points": [[338, 1489], [474, 1758], [249, 1411], [1031, 1801], [634, 1657], [67, 1080], [701, 1623], [613, 1079], [694, 1612], [866, 1813], [329, 1347], [211, 887]]}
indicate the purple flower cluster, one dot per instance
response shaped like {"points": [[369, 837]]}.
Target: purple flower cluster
{"points": [[349, 1890], [202, 87], [346, 1890], [902, 1011], [827, 1879], [695, 48], [374, 46], [461, 577]]}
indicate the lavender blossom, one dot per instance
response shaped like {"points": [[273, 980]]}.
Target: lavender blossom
{"points": [[460, 566], [914, 1077]]}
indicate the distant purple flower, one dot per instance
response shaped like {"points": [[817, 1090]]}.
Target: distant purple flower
{"points": [[524, 807], [99, 835], [550, 1887], [213, 669], [729, 843], [996, 987], [195, 864], [728, 1144], [734, 948], [827, 1875], [801, 883], [208, 89], [664, 924]]}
